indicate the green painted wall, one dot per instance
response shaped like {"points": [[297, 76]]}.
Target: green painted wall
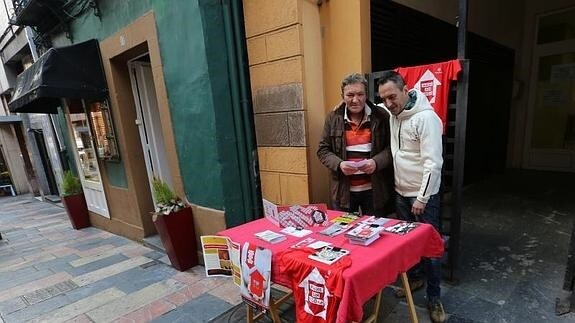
{"points": [[194, 55], [191, 96]]}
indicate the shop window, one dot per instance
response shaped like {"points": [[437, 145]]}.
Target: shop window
{"points": [[103, 130]]}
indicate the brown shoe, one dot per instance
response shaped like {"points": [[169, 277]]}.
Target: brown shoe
{"points": [[413, 285], [436, 312]]}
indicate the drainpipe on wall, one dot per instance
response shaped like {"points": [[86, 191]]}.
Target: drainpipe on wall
{"points": [[459, 145]]}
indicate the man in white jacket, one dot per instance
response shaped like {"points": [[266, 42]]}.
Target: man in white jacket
{"points": [[417, 159]]}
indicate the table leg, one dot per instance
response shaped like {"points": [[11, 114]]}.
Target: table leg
{"points": [[274, 309], [250, 314], [409, 298], [373, 317]]}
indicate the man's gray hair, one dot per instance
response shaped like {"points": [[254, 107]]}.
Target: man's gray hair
{"points": [[353, 78]]}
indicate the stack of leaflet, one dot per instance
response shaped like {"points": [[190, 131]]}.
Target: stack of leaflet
{"points": [[364, 233], [340, 224], [270, 236]]}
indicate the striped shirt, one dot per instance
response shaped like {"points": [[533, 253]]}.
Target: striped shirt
{"points": [[358, 147]]}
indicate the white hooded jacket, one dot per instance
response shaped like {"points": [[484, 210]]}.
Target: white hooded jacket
{"points": [[416, 148]]}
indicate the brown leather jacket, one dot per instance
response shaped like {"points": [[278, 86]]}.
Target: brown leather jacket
{"points": [[331, 153]]}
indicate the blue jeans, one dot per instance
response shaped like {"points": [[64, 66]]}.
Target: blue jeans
{"points": [[431, 216]]}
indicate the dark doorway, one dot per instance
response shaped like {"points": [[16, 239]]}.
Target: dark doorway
{"points": [[45, 158], [402, 36]]}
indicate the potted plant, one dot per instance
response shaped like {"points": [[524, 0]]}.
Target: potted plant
{"points": [[175, 224], [74, 201]]}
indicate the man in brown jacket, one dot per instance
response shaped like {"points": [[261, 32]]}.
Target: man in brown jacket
{"points": [[355, 148]]}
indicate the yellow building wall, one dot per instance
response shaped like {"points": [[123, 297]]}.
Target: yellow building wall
{"points": [[274, 42], [346, 43], [298, 53]]}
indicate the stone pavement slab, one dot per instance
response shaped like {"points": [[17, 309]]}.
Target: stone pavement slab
{"points": [[50, 272], [70, 311]]}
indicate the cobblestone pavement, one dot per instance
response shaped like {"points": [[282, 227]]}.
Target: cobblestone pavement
{"points": [[50, 272]]}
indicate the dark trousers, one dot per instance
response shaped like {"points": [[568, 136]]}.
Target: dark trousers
{"points": [[431, 216], [363, 200]]}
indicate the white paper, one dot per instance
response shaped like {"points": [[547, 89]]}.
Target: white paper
{"points": [[300, 233], [319, 244]]}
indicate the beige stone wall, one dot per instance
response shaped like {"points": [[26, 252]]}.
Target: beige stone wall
{"points": [[276, 58], [346, 44], [298, 53]]}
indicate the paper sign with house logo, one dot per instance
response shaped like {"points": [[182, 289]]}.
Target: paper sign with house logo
{"points": [[256, 275]]}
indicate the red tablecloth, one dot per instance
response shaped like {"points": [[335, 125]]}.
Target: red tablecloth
{"points": [[373, 267]]}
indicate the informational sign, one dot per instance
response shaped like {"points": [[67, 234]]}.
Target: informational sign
{"points": [[256, 276], [296, 216]]}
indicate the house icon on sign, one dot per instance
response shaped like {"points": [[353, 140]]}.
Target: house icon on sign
{"points": [[257, 284], [428, 84]]}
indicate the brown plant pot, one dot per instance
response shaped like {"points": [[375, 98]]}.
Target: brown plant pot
{"points": [[178, 237], [77, 210]]}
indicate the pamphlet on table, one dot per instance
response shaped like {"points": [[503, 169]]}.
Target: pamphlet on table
{"points": [[402, 227], [328, 254], [270, 236], [296, 232]]}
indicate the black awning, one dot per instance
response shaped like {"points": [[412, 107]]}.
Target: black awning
{"points": [[74, 72]]}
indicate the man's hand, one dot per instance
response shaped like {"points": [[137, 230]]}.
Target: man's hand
{"points": [[417, 208], [347, 168], [368, 167]]}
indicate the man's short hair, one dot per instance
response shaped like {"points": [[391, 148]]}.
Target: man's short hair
{"points": [[353, 78], [391, 76]]}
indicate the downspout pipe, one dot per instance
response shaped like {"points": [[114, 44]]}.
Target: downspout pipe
{"points": [[244, 125], [460, 133]]}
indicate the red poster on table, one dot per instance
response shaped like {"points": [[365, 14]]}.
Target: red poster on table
{"points": [[433, 81], [296, 216]]}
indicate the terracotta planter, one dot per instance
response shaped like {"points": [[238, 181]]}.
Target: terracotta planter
{"points": [[178, 237], [77, 210]]}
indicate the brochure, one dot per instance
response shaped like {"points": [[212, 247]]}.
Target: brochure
{"points": [[221, 257], [271, 212], [335, 229], [346, 218], [303, 243], [256, 276], [270, 236], [319, 244], [364, 242], [296, 232], [364, 231], [328, 255], [375, 220], [402, 227]]}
